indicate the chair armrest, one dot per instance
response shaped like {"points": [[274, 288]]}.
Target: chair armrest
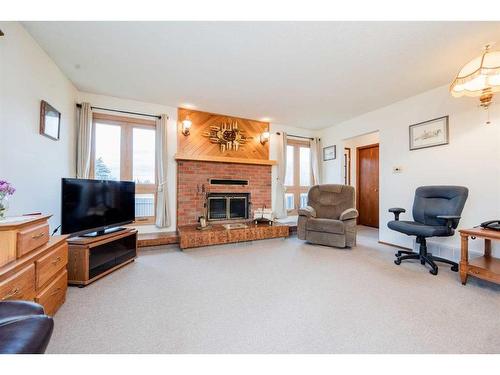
{"points": [[397, 211], [450, 219], [10, 309], [307, 211], [350, 213]]}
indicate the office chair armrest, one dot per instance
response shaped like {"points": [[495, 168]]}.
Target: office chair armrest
{"points": [[307, 211], [396, 211], [449, 219], [350, 213]]}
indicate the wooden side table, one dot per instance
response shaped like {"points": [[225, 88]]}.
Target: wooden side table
{"points": [[485, 267]]}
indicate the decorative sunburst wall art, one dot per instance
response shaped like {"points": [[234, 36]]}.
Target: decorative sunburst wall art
{"points": [[221, 136], [227, 135]]}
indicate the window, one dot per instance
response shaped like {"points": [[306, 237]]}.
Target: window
{"points": [[124, 149], [298, 175]]}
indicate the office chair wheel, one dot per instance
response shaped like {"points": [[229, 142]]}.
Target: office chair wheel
{"points": [[454, 268], [422, 261], [433, 271], [397, 261]]}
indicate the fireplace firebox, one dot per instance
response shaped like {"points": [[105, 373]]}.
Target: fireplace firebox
{"points": [[228, 206]]}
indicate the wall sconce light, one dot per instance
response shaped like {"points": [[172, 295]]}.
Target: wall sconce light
{"points": [[264, 137], [186, 125]]}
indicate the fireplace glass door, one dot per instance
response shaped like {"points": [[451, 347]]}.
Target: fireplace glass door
{"points": [[238, 208], [228, 206], [217, 208]]}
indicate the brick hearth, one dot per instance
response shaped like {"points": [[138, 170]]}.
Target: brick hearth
{"points": [[191, 175]]}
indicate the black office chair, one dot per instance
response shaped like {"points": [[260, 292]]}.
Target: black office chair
{"points": [[436, 211]]}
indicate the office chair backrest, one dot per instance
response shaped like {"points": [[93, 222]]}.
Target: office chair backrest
{"points": [[330, 200], [431, 201]]}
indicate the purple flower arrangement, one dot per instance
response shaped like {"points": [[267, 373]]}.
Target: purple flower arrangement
{"points": [[6, 189]]}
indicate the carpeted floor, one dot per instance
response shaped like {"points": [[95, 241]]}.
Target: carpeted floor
{"points": [[279, 296]]}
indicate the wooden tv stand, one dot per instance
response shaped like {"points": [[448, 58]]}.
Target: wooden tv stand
{"points": [[91, 258]]}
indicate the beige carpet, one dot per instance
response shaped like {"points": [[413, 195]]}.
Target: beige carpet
{"points": [[279, 296]]}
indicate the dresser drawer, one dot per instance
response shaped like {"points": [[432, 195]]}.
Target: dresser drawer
{"points": [[20, 285], [50, 264], [54, 295], [32, 237]]}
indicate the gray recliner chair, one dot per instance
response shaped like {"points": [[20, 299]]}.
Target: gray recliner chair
{"points": [[330, 217]]}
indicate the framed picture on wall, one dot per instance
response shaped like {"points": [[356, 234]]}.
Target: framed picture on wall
{"points": [[429, 133], [50, 121], [329, 153]]}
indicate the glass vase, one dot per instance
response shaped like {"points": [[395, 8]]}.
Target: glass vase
{"points": [[4, 206]]}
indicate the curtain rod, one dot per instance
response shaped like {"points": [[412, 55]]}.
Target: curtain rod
{"points": [[296, 136], [119, 111]]}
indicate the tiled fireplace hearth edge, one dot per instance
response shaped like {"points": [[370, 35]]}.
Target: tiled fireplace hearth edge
{"points": [[193, 182]]}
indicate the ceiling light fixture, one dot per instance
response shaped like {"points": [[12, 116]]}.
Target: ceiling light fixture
{"points": [[480, 77]]}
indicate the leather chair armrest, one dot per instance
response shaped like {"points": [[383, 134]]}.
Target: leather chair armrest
{"points": [[397, 211], [307, 211], [450, 219], [350, 213], [10, 309]]}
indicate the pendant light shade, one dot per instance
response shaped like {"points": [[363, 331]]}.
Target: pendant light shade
{"points": [[479, 77]]}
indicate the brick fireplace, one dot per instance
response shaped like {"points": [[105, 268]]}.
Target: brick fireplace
{"points": [[195, 178]]}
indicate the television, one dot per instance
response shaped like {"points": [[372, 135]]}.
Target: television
{"points": [[96, 207]]}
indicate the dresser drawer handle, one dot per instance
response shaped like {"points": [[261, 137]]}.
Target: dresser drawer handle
{"points": [[55, 292], [57, 260], [37, 236], [12, 293]]}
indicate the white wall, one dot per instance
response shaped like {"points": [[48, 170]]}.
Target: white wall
{"points": [[471, 159], [34, 164], [353, 144], [149, 108]]}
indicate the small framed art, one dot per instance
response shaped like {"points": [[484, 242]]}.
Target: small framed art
{"points": [[429, 133], [329, 153], [50, 121]]}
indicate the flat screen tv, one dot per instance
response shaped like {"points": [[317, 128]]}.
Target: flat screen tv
{"points": [[96, 207]]}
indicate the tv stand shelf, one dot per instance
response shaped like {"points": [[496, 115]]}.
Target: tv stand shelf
{"points": [[91, 258]]}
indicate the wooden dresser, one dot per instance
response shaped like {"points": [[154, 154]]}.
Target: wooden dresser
{"points": [[32, 264]]}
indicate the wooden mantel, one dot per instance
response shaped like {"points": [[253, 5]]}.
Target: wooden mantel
{"points": [[223, 159]]}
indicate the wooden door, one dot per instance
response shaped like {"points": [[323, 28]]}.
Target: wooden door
{"points": [[368, 185]]}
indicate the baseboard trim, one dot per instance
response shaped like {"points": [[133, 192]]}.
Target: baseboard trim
{"points": [[391, 244]]}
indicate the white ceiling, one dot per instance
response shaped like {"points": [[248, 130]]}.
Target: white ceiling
{"points": [[306, 74]]}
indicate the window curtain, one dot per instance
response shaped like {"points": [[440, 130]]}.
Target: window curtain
{"points": [[280, 189], [84, 141], [315, 146], [162, 207]]}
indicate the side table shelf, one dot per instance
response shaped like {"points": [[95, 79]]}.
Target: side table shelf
{"points": [[484, 267]]}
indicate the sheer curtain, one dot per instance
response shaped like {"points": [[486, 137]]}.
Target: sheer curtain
{"points": [[84, 141], [162, 206], [315, 146], [280, 189]]}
